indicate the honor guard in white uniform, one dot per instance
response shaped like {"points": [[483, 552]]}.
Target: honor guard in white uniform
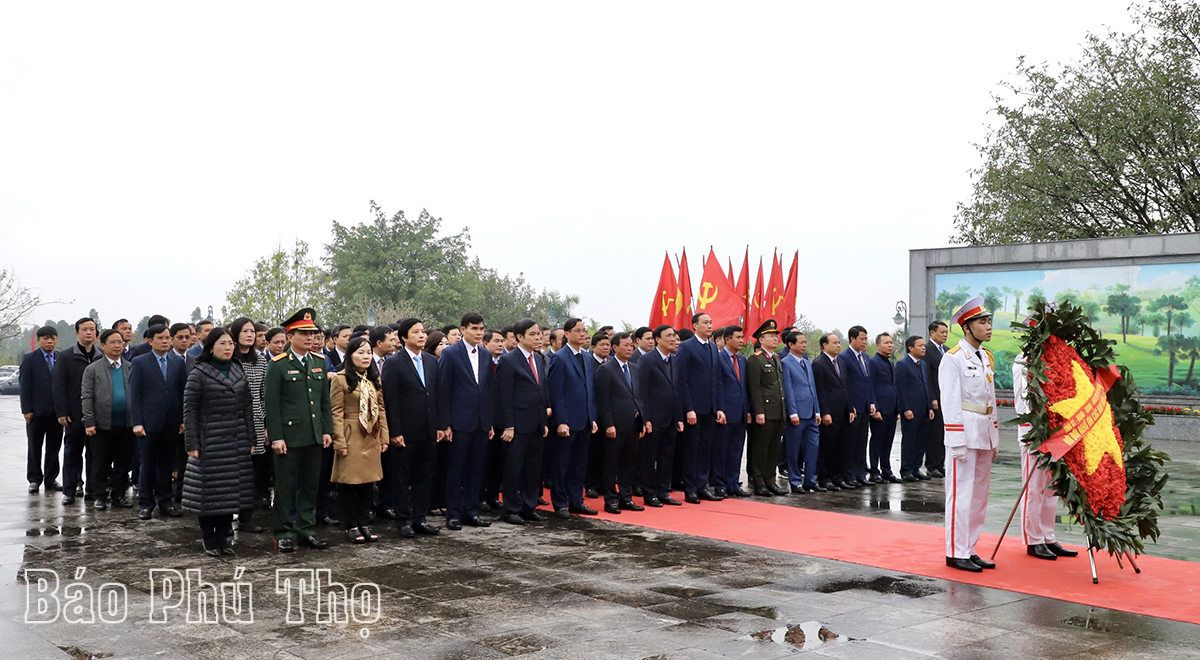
{"points": [[968, 404], [1039, 502]]}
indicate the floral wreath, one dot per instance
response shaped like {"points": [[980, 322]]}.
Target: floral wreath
{"points": [[1086, 429]]}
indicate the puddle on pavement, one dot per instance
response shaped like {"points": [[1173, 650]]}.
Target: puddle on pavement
{"points": [[909, 506], [56, 530], [910, 587], [804, 636]]}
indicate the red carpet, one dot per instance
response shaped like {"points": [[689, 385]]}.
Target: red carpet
{"points": [[1166, 588]]}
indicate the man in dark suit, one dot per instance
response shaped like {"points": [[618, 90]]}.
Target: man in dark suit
{"points": [[524, 409], [935, 448], [836, 414], [618, 401], [144, 347], [37, 406], [68, 404], [340, 337], [704, 407], [594, 476], [466, 405], [643, 343], [729, 441], [410, 399], [857, 375], [802, 432], [916, 410], [883, 430], [493, 464], [156, 384], [573, 402], [662, 406]]}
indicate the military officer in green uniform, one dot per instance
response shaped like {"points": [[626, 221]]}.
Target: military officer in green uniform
{"points": [[764, 379], [299, 426]]}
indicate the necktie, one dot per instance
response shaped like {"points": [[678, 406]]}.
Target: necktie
{"points": [[534, 370], [628, 378], [736, 372], [50, 362], [836, 369], [670, 370], [162, 365], [579, 359], [862, 359], [420, 370], [804, 366]]}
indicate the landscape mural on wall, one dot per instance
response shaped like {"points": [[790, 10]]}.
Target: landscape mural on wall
{"points": [[1151, 311]]}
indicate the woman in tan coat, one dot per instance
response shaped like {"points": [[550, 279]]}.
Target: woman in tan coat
{"points": [[360, 435]]}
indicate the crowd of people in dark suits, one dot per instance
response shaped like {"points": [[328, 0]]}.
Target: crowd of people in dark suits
{"points": [[405, 423]]}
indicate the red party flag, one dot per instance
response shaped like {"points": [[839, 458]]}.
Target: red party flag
{"points": [[757, 313], [716, 296], [743, 286], [664, 309], [788, 306], [684, 300]]}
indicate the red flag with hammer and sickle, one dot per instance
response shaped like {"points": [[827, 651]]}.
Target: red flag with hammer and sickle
{"points": [[716, 296], [665, 308]]}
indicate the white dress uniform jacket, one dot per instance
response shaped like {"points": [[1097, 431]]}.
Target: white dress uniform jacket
{"points": [[968, 404]]}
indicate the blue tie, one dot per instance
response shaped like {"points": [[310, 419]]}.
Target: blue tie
{"points": [[625, 368], [420, 370], [162, 364], [50, 361]]}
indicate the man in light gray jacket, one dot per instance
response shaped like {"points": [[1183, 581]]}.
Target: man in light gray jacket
{"points": [[107, 422]]}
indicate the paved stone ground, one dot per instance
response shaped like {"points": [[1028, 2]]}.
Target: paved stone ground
{"points": [[564, 590]]}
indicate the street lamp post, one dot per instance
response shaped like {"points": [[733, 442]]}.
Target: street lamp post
{"points": [[901, 317]]}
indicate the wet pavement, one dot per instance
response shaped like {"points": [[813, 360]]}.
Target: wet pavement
{"points": [[559, 590]]}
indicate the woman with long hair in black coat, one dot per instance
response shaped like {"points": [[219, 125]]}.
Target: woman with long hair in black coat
{"points": [[218, 418]]}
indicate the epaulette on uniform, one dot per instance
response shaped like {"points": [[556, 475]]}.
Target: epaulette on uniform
{"points": [[954, 350], [991, 358], [279, 357]]}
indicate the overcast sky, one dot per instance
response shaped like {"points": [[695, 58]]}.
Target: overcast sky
{"points": [[150, 152]]}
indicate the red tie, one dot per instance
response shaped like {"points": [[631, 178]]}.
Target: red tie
{"points": [[736, 372], [534, 369]]}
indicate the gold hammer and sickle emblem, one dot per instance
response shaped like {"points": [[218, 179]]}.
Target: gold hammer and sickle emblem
{"points": [[704, 298], [666, 302]]}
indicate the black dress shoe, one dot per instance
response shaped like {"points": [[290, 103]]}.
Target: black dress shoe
{"points": [[79, 491], [584, 510], [100, 505], [708, 496], [776, 490], [330, 521], [53, 485], [388, 512], [798, 490], [892, 479], [630, 505], [512, 519], [285, 545], [315, 543], [842, 485], [721, 493], [670, 501], [406, 532], [484, 507], [981, 562], [762, 491], [736, 492], [652, 502], [612, 508], [816, 489], [250, 527], [497, 506], [1057, 549], [591, 492], [908, 479], [425, 528], [1040, 551], [453, 524], [476, 521], [212, 552], [123, 502], [922, 476], [828, 486], [144, 514], [172, 512], [562, 514], [691, 498], [542, 502], [228, 551], [964, 565], [533, 516], [33, 487], [938, 472]]}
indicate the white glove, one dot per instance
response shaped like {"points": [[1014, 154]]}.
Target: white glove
{"points": [[958, 453]]}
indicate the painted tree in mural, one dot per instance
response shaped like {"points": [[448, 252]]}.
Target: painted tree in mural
{"points": [[1125, 306]]}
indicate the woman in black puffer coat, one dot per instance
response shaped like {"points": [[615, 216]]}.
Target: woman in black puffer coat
{"points": [[218, 417]]}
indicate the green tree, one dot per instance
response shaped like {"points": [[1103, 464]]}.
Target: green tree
{"points": [[1171, 345], [278, 285], [1190, 347], [993, 298], [95, 316], [1125, 307], [1156, 321], [1140, 322], [1169, 303], [197, 315], [1183, 320], [948, 302], [1107, 146]]}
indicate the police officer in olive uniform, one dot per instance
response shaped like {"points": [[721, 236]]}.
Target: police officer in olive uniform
{"points": [[299, 426], [764, 378]]}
